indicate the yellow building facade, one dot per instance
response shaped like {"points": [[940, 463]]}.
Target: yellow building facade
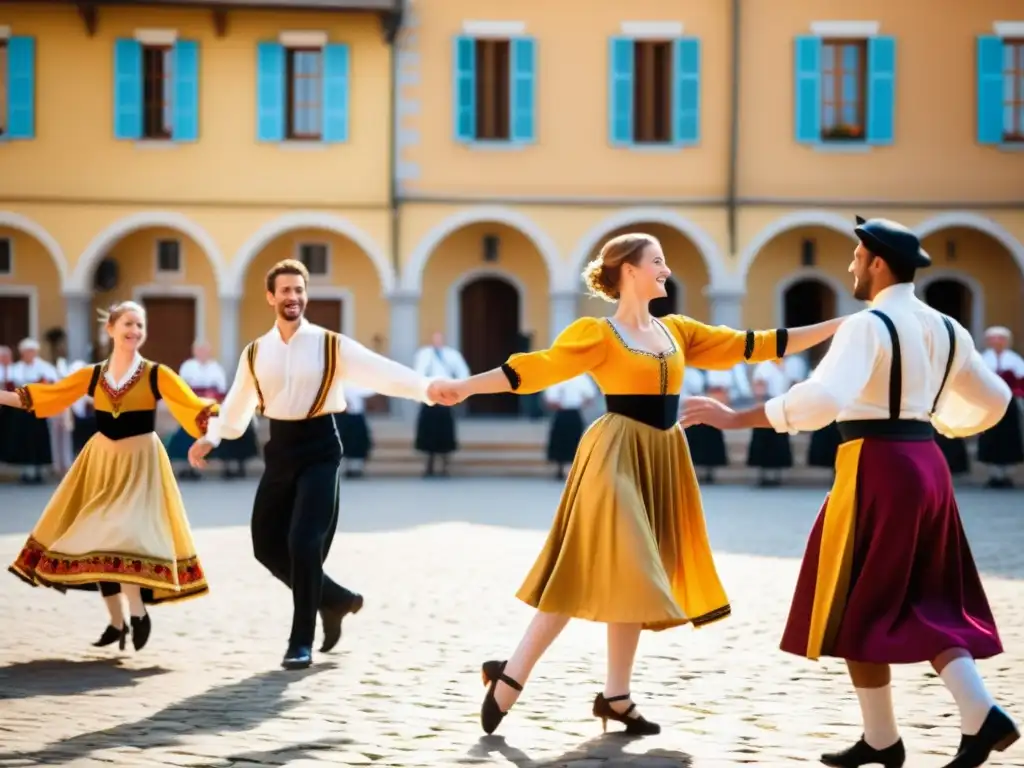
{"points": [[457, 176]]}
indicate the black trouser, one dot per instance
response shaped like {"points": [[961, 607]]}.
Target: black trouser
{"points": [[295, 516]]}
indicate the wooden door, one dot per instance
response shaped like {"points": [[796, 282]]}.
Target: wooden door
{"points": [[15, 322], [666, 305], [326, 313], [808, 302], [489, 310], [170, 329], [950, 297]]}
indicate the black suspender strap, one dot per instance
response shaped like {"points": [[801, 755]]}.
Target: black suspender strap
{"points": [[949, 361], [154, 383], [332, 348], [250, 356], [895, 369], [95, 380]]}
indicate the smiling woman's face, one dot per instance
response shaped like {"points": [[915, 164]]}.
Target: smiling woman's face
{"points": [[128, 331]]}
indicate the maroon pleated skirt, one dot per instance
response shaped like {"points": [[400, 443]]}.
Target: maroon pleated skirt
{"points": [[914, 590]]}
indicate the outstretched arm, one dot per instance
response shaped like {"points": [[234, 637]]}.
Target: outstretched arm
{"points": [[975, 397], [367, 369], [45, 400], [187, 408], [236, 411]]}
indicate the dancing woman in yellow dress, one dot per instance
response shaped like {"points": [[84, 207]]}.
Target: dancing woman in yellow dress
{"points": [[628, 546], [116, 521]]}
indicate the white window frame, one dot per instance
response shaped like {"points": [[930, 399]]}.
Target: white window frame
{"points": [[329, 272]]}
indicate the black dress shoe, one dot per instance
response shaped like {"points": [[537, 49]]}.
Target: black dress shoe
{"points": [[113, 635], [298, 657], [331, 618], [140, 631], [863, 753], [997, 733]]}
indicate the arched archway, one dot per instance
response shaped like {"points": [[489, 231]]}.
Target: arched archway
{"points": [[488, 328], [806, 300], [33, 272], [642, 219], [170, 265], [795, 221], [689, 273], [992, 283]]}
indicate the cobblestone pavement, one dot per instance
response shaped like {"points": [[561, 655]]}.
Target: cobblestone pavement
{"points": [[439, 563]]}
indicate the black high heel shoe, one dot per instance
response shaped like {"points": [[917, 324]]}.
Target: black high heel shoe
{"points": [[491, 715], [113, 635], [141, 627], [635, 725]]}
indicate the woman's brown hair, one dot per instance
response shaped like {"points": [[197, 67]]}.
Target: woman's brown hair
{"points": [[603, 273], [115, 312]]}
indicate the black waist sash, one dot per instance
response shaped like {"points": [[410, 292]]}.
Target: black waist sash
{"points": [[302, 431], [658, 411], [126, 424], [302, 442], [895, 428]]}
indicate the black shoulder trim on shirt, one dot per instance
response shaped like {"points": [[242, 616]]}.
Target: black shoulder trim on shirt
{"points": [[513, 377], [748, 346], [781, 341]]}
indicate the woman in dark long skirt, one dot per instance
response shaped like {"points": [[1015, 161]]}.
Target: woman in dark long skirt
{"points": [[354, 431], [769, 451], [568, 399], [706, 443]]}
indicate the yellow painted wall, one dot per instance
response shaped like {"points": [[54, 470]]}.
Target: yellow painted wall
{"points": [[135, 256], [935, 155], [75, 149], [460, 254], [350, 268], [33, 267], [572, 156], [687, 268]]}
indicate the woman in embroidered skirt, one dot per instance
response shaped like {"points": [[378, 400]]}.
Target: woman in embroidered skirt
{"points": [[116, 522], [628, 547]]}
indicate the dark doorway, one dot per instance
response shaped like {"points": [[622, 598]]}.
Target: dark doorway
{"points": [[170, 329], [14, 321], [667, 305], [951, 297], [807, 302], [326, 313], [489, 310]]}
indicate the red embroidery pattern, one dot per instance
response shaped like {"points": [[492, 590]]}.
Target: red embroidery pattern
{"points": [[204, 416], [116, 395], [25, 397], [35, 561]]}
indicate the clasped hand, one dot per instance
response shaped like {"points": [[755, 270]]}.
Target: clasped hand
{"points": [[707, 410], [447, 392]]}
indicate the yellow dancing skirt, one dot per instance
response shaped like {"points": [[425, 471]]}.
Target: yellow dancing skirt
{"points": [[117, 516], [629, 543]]}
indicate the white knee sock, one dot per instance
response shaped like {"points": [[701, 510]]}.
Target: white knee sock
{"points": [[133, 594], [964, 682], [879, 718], [115, 609]]}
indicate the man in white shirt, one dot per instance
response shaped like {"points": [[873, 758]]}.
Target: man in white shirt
{"points": [[435, 427], [888, 576], [294, 375]]}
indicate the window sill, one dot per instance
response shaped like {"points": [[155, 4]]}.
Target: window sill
{"points": [[156, 144], [843, 147], [1012, 146], [657, 149], [497, 145], [303, 145]]}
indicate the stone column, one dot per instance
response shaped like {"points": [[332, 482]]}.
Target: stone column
{"points": [[228, 341], [726, 306], [79, 325], [405, 340], [564, 309]]}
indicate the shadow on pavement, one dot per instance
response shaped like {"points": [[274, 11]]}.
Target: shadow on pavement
{"points": [[282, 755], [234, 707], [609, 748], [65, 677]]}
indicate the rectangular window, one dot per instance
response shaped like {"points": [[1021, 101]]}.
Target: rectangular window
{"points": [[6, 257], [4, 75], [315, 257], [492, 90], [168, 257], [1013, 90], [157, 91], [304, 84], [652, 92], [843, 90]]}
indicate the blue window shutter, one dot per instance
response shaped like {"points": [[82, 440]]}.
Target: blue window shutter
{"points": [[881, 101], [464, 88], [990, 89], [686, 91], [336, 92], [127, 89], [807, 93], [523, 109], [620, 91], [270, 92], [21, 88], [185, 126]]}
